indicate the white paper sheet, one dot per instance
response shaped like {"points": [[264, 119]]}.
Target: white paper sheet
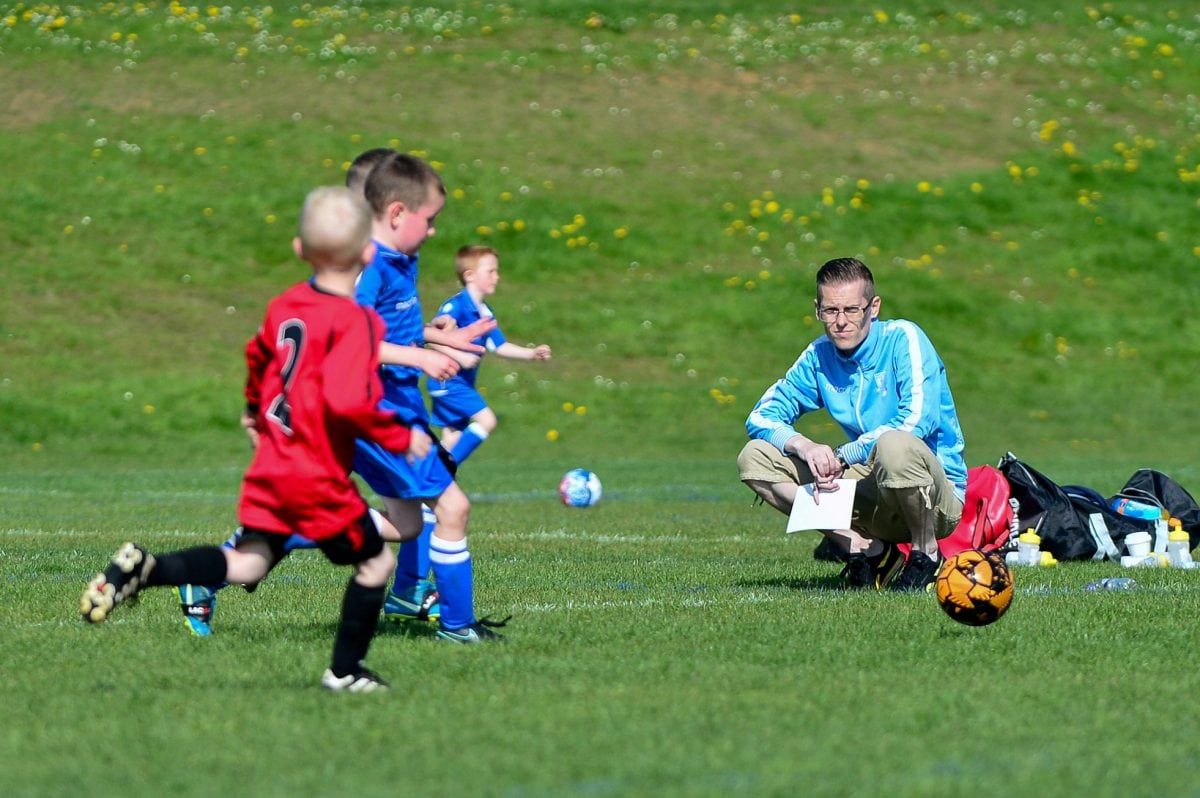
{"points": [[833, 512]]}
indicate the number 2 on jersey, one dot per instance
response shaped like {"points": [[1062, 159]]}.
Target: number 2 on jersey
{"points": [[290, 342]]}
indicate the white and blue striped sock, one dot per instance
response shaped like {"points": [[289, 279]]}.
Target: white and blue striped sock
{"points": [[455, 581]]}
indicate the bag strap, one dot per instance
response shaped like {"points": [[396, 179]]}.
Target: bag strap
{"points": [[1104, 542]]}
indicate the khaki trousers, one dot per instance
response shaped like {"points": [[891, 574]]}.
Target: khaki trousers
{"points": [[901, 485]]}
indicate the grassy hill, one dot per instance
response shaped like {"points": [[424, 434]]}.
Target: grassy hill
{"points": [[661, 185]]}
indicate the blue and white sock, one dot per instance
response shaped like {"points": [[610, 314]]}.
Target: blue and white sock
{"points": [[455, 581], [470, 440], [412, 561]]}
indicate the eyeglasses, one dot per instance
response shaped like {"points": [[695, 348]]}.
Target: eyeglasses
{"points": [[853, 314]]}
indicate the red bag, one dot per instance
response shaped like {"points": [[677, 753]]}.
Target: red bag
{"points": [[987, 515]]}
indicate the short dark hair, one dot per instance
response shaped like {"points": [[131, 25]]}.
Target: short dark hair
{"points": [[840, 271], [401, 178], [356, 175]]}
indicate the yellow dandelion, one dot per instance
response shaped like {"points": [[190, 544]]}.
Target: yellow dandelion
{"points": [[924, 186], [148, 409], [552, 435], [269, 218], [581, 410], [200, 151], [568, 407]]}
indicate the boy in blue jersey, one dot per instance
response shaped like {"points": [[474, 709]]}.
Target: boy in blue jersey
{"points": [[406, 195], [884, 384], [458, 408], [198, 602]]}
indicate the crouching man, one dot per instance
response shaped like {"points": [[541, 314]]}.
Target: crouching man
{"points": [[884, 384]]}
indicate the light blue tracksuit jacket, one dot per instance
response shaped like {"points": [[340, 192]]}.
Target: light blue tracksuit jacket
{"points": [[894, 380]]}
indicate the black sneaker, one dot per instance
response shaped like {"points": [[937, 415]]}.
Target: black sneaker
{"points": [[887, 565], [123, 577], [858, 572], [863, 572], [919, 573], [361, 680]]}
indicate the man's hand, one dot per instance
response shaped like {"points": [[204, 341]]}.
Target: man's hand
{"points": [[250, 424], [541, 352], [435, 364], [824, 464], [418, 446]]}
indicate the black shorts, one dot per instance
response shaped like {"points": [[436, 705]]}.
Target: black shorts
{"points": [[357, 543]]}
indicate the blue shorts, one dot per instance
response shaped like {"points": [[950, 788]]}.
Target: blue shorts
{"points": [[391, 474], [454, 403]]}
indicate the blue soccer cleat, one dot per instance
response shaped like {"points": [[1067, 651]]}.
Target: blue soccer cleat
{"points": [[478, 632], [420, 603], [198, 603]]}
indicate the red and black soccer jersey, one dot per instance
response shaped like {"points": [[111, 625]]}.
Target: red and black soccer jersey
{"points": [[313, 385]]}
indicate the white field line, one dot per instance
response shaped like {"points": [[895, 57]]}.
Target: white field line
{"points": [[684, 602], [682, 493], [14, 532], [537, 535]]}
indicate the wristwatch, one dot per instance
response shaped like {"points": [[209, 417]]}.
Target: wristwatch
{"points": [[838, 454]]}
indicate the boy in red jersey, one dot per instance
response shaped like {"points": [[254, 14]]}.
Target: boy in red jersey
{"points": [[313, 387]]}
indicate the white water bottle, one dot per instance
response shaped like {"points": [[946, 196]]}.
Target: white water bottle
{"points": [[1179, 549]]}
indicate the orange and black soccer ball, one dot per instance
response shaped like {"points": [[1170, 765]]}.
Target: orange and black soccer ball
{"points": [[975, 587]]}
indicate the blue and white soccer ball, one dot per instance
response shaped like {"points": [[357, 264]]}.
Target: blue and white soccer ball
{"points": [[579, 488]]}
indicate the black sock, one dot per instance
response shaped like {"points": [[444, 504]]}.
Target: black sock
{"points": [[203, 565], [360, 615]]}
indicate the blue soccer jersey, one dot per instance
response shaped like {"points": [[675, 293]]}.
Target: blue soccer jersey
{"points": [[456, 401], [389, 285], [463, 309]]}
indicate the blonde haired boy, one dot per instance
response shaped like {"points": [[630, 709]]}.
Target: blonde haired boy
{"points": [[312, 388]]}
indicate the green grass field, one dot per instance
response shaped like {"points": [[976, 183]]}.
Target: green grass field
{"points": [[662, 181]]}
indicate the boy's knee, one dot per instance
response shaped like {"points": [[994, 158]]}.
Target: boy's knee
{"points": [[376, 571], [453, 509]]}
